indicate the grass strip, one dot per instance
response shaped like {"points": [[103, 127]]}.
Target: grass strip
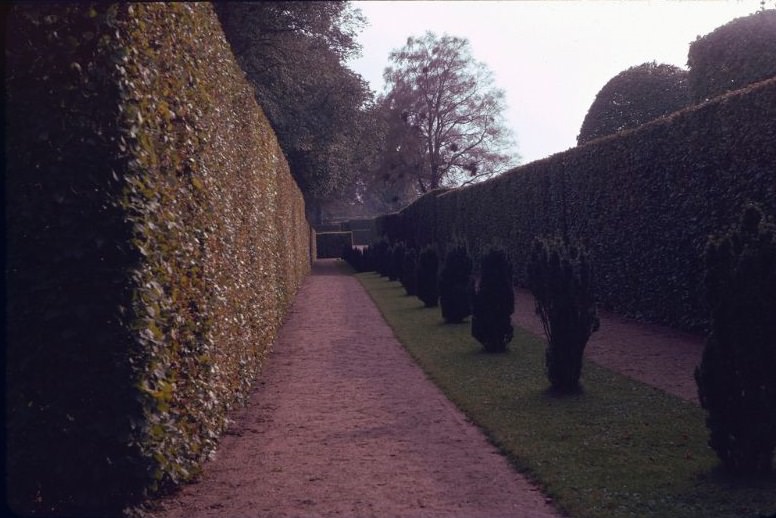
{"points": [[621, 448]]}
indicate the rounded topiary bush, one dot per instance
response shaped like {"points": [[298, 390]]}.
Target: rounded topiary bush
{"points": [[409, 273], [634, 97], [739, 53], [737, 375], [559, 276], [456, 285], [428, 288], [494, 302]]}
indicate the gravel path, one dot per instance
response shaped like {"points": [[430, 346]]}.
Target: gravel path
{"points": [[344, 423]]}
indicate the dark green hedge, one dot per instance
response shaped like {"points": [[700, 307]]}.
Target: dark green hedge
{"points": [[155, 238], [362, 229], [330, 227], [331, 244], [733, 55], [642, 203], [419, 219], [390, 226], [358, 224]]}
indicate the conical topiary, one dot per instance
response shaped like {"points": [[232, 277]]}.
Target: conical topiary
{"points": [[409, 274], [559, 276], [428, 264], [381, 257], [456, 285], [494, 302], [396, 261], [737, 375]]}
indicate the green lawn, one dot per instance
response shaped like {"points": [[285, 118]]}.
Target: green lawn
{"points": [[621, 448]]}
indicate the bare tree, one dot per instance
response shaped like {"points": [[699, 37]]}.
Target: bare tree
{"points": [[444, 113]]}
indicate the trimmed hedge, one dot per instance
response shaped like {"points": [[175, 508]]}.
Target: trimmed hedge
{"points": [[641, 202], [330, 227], [332, 244], [733, 55], [634, 97], [390, 227], [155, 240], [424, 209]]}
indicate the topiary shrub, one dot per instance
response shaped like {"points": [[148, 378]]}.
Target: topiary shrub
{"points": [[355, 257], [560, 279], [494, 303], [369, 261], [409, 273], [396, 261], [456, 285], [737, 375], [428, 288], [381, 257]]}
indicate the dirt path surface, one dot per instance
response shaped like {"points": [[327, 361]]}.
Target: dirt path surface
{"points": [[656, 355], [344, 423]]}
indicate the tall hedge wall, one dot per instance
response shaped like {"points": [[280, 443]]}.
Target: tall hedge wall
{"points": [[155, 238], [362, 229], [331, 244], [643, 202]]}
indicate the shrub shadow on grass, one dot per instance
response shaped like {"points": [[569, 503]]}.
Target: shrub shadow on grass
{"points": [[442, 323], [729, 482], [718, 481], [480, 352], [555, 393]]}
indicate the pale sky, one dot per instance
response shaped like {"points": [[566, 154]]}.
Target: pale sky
{"points": [[550, 57]]}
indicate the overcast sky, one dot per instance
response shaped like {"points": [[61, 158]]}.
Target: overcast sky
{"points": [[550, 57]]}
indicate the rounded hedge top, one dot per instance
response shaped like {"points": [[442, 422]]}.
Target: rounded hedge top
{"points": [[634, 97], [732, 56]]}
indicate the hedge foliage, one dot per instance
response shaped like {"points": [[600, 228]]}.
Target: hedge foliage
{"points": [[641, 202], [736, 381], [561, 280], [428, 283], [634, 97], [494, 303], [733, 56], [363, 230], [155, 240], [456, 285], [332, 244]]}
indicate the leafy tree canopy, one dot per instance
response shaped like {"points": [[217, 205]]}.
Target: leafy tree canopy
{"points": [[443, 116], [734, 55], [294, 53], [634, 97], [332, 24]]}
